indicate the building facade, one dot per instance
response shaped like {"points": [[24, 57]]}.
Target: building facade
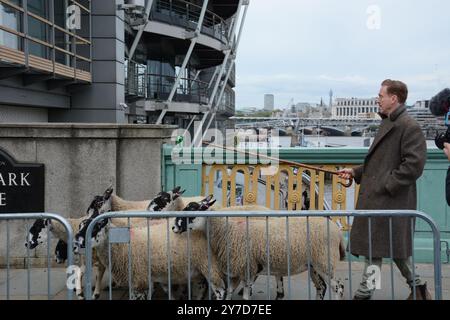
{"points": [[354, 108], [153, 61]]}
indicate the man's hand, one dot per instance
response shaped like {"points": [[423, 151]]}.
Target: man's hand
{"points": [[348, 173], [447, 150]]}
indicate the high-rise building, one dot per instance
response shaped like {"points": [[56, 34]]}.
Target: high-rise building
{"points": [[330, 105], [154, 61], [269, 102]]}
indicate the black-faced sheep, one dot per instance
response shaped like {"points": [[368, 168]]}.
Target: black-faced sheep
{"points": [[235, 232]]}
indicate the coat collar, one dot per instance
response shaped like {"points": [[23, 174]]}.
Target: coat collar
{"points": [[387, 124], [395, 114]]}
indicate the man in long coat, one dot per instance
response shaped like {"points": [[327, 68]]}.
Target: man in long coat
{"points": [[394, 162]]}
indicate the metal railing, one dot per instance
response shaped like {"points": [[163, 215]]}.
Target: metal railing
{"points": [[29, 216], [186, 14], [287, 180], [289, 217], [158, 87]]}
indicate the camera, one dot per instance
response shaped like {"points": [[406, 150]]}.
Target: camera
{"points": [[441, 138], [439, 106]]}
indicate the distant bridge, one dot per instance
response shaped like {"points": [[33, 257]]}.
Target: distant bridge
{"points": [[328, 126]]}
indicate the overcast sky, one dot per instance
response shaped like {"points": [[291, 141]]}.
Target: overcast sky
{"points": [[301, 49]]}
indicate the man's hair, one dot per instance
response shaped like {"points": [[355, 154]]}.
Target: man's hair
{"points": [[397, 88]]}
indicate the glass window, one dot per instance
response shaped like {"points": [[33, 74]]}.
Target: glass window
{"points": [[39, 7], [11, 19], [60, 13], [39, 30]]}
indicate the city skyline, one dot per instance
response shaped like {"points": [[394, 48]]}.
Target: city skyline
{"points": [[320, 45], [294, 103]]}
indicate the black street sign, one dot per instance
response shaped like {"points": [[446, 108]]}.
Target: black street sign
{"points": [[21, 186]]}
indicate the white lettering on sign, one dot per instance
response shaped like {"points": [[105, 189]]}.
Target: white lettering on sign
{"points": [[23, 179], [12, 179], [2, 199]]}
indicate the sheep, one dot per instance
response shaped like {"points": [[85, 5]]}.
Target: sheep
{"points": [[235, 232], [158, 203], [159, 257], [179, 203], [119, 204], [58, 231]]}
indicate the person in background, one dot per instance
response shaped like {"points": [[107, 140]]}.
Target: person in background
{"points": [[447, 180]]}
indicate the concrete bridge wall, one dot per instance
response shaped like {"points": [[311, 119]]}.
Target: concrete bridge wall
{"points": [[82, 160]]}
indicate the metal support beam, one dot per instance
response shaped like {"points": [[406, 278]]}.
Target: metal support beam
{"points": [[213, 115], [199, 131], [235, 47], [222, 69], [212, 78], [225, 60], [194, 40], [197, 74], [148, 7], [26, 47]]}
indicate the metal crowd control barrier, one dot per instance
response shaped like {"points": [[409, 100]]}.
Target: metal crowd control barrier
{"points": [[370, 214], [28, 216]]}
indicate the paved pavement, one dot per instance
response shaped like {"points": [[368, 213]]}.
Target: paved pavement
{"points": [[18, 284]]}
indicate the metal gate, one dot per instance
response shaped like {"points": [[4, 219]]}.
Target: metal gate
{"points": [[124, 236], [8, 218]]}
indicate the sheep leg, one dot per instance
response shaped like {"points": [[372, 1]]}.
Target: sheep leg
{"points": [[338, 289], [98, 283], [319, 283], [165, 288], [78, 284], [235, 284], [199, 289], [336, 285], [179, 291], [247, 291], [280, 288], [248, 288], [216, 281], [137, 295]]}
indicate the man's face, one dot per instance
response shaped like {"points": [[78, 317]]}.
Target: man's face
{"points": [[386, 102]]}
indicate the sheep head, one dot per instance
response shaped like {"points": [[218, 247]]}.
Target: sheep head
{"points": [[164, 199], [182, 224], [100, 204], [37, 232], [98, 233]]}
